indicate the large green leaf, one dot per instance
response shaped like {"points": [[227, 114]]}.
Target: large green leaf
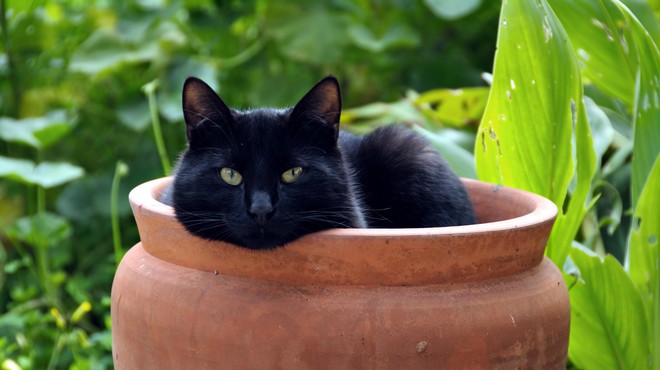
{"points": [[534, 109], [646, 114], [37, 132], [599, 34], [643, 259], [568, 223], [45, 174], [525, 134], [609, 329], [620, 56]]}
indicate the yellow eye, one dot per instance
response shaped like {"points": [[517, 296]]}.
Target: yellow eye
{"points": [[292, 175], [231, 176]]}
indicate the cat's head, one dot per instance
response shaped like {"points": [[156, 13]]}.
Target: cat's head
{"points": [[261, 178]]}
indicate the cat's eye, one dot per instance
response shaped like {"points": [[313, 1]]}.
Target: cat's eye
{"points": [[292, 174], [231, 176]]}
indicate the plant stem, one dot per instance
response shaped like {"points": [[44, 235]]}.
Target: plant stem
{"points": [[150, 91], [55, 356], [121, 170], [17, 93]]}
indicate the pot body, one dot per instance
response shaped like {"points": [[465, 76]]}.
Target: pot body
{"points": [[473, 297]]}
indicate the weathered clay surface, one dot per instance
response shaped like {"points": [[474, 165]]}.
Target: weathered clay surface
{"points": [[478, 296]]}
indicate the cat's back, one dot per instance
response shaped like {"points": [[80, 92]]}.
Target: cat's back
{"points": [[403, 181]]}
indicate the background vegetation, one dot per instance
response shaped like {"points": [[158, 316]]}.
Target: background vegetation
{"points": [[87, 86]]}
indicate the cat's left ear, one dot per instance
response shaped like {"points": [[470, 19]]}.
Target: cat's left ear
{"points": [[200, 104], [321, 103]]}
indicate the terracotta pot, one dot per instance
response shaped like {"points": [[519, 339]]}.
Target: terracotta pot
{"points": [[478, 296]]}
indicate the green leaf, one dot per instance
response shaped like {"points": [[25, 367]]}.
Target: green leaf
{"points": [[45, 174], [459, 159], [455, 107], [643, 260], [609, 329], [395, 36], [13, 167], [534, 109], [646, 113], [600, 36], [37, 132], [600, 127], [568, 223], [524, 139], [135, 115], [51, 174], [105, 49], [316, 37], [620, 56], [450, 9], [43, 230]]}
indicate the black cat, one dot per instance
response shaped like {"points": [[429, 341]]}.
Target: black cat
{"points": [[264, 177]]}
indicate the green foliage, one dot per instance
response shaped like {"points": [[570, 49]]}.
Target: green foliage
{"points": [[86, 85], [537, 136], [608, 326]]}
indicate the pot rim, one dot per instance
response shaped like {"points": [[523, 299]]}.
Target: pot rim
{"points": [[145, 197], [393, 257]]}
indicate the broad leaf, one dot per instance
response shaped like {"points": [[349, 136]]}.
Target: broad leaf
{"points": [[399, 35], [609, 329], [599, 34], [620, 56], [643, 259], [535, 107], [45, 174], [524, 139], [37, 132], [646, 114], [450, 9], [454, 107], [568, 223]]}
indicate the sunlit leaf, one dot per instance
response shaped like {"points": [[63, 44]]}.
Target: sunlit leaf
{"points": [[525, 134], [37, 132], [646, 113], [451, 9], [45, 174], [455, 107], [600, 127], [105, 49], [643, 260], [10, 167], [398, 35], [51, 174], [619, 56], [609, 329], [599, 34]]}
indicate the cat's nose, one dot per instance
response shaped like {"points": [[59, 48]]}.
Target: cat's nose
{"points": [[261, 207]]}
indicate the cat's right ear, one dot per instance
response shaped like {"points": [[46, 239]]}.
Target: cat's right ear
{"points": [[201, 103]]}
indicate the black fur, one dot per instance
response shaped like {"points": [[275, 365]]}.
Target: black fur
{"points": [[389, 178]]}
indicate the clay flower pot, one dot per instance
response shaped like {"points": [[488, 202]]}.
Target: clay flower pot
{"points": [[478, 296]]}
